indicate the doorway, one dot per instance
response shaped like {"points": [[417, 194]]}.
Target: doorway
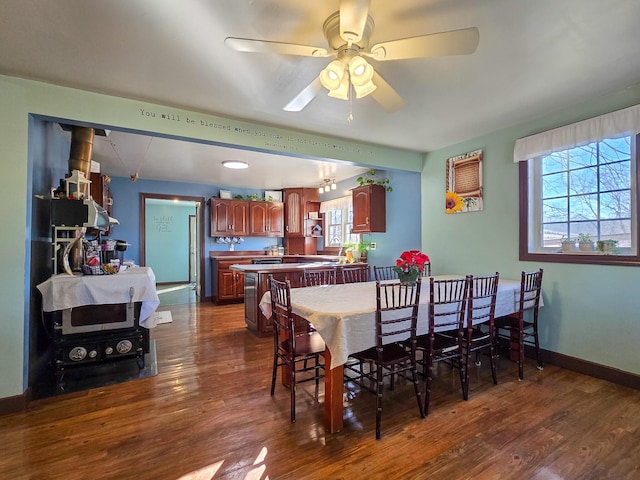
{"points": [[172, 243]]}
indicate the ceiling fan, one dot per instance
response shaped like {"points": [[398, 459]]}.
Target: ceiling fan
{"points": [[348, 32]]}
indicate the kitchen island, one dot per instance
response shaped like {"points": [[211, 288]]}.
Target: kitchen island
{"points": [[256, 284], [228, 285]]}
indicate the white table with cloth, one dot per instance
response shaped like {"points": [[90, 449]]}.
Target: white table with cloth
{"points": [[68, 291], [344, 315]]}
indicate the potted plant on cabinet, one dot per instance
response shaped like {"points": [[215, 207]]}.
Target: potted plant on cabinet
{"points": [[371, 178]]}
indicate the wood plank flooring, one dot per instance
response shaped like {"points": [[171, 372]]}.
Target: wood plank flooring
{"points": [[208, 414]]}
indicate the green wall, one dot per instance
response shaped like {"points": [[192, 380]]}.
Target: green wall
{"points": [[167, 241], [591, 311], [21, 98]]}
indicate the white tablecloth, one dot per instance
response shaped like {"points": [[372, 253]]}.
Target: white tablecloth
{"points": [[344, 315], [68, 291]]}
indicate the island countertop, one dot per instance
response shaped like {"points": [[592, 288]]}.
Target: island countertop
{"points": [[281, 267], [226, 256]]}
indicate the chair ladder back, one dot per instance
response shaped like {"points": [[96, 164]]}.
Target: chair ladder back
{"points": [[360, 273], [447, 304], [530, 289], [481, 304], [319, 276], [396, 310], [384, 273], [427, 269], [283, 322]]}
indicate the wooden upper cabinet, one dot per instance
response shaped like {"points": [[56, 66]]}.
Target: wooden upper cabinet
{"points": [[369, 209], [266, 219], [298, 202], [229, 217], [294, 212]]}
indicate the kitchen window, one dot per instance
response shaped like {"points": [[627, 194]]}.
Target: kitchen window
{"points": [[338, 220], [586, 189]]}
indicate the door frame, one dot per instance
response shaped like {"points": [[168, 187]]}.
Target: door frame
{"points": [[199, 218], [193, 234]]}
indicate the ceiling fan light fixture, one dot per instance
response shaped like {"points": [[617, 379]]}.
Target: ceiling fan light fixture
{"points": [[332, 75], [342, 91], [364, 90], [235, 164], [361, 71]]}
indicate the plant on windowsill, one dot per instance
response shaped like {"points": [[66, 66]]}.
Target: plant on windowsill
{"points": [[359, 251], [585, 244], [371, 178], [608, 247], [568, 245]]}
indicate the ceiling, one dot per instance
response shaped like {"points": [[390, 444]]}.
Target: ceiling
{"points": [[533, 58]]}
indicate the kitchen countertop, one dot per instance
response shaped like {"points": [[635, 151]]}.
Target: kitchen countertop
{"points": [[285, 267], [285, 258], [279, 267]]}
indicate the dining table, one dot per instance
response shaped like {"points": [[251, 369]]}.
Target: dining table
{"points": [[344, 316]]}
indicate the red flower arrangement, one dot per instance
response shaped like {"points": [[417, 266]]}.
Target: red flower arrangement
{"points": [[411, 262]]}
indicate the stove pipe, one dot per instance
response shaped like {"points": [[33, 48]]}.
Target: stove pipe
{"points": [[81, 147]]}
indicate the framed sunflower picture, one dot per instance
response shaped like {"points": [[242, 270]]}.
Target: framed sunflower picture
{"points": [[464, 183]]}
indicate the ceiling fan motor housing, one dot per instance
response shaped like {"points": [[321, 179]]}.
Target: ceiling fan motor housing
{"points": [[331, 30]]}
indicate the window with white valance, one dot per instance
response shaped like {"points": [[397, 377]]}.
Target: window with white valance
{"points": [[338, 219], [621, 123], [341, 203], [580, 181]]}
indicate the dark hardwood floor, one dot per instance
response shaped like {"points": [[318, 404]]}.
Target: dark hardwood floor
{"points": [[208, 414]]}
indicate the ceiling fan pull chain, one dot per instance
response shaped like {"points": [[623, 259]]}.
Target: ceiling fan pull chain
{"points": [[350, 96]]}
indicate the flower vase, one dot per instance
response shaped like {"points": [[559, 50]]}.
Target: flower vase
{"points": [[406, 277]]}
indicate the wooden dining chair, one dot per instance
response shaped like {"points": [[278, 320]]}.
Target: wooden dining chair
{"points": [[319, 276], [427, 270], [384, 273], [297, 351], [480, 323], [396, 319], [521, 328], [388, 273], [444, 342], [356, 273]]}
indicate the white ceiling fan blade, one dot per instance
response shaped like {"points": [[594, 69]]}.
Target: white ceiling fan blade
{"points": [[353, 16], [304, 97], [455, 42], [264, 46], [385, 95]]}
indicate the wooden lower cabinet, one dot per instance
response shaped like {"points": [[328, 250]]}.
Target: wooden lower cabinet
{"points": [[228, 286]]}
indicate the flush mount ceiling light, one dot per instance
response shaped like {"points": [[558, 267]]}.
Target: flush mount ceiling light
{"points": [[235, 164], [347, 33]]}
